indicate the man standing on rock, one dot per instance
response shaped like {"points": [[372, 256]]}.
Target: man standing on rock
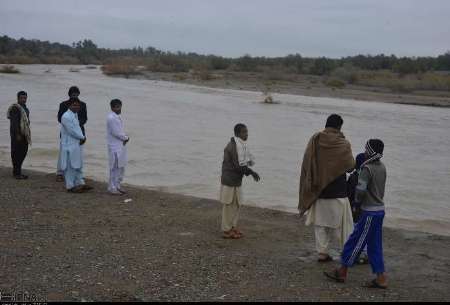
{"points": [[237, 160], [74, 92], [323, 186], [72, 140], [19, 117], [117, 152]]}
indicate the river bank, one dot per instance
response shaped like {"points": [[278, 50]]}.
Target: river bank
{"points": [[161, 246], [303, 85]]}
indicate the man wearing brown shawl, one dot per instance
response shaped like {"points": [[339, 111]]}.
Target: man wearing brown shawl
{"points": [[323, 188]]}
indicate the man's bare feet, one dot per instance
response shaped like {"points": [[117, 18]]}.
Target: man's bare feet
{"points": [[237, 232]]}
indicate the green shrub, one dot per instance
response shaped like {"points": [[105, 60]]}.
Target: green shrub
{"points": [[346, 73], [219, 63], [335, 83], [246, 64]]}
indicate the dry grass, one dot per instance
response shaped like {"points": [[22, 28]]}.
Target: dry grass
{"points": [[10, 69], [335, 83], [203, 74], [180, 77], [121, 68], [425, 81]]}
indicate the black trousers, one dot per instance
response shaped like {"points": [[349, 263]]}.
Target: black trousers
{"points": [[19, 150]]}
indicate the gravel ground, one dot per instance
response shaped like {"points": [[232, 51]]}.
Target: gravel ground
{"points": [[165, 247]]}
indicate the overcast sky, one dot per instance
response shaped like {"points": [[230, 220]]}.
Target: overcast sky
{"points": [[332, 28]]}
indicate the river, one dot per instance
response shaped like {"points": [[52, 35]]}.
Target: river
{"points": [[178, 133]]}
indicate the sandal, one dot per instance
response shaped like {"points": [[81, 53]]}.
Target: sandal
{"points": [[335, 276], [327, 259], [21, 177], [374, 284], [86, 187], [76, 189], [59, 178], [230, 235], [237, 232]]}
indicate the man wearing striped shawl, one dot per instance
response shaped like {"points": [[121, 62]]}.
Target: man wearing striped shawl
{"points": [[18, 114]]}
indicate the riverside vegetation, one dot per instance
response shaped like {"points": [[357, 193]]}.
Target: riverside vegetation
{"points": [[426, 76]]}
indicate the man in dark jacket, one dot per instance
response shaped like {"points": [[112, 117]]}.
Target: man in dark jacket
{"points": [[236, 164], [74, 92], [18, 114]]}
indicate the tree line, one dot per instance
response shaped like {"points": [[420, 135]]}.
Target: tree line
{"points": [[34, 51]]}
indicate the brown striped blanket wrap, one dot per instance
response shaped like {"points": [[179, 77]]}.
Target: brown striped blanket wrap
{"points": [[327, 156]]}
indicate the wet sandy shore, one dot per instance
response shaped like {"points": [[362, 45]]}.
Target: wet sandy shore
{"points": [[94, 247], [302, 85]]}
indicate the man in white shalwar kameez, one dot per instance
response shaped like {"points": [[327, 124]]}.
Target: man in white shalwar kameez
{"points": [[323, 186], [117, 139], [72, 139]]}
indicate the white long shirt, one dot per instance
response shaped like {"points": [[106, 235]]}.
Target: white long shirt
{"points": [[71, 134], [115, 137]]}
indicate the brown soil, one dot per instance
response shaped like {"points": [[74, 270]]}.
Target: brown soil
{"points": [[94, 247]]}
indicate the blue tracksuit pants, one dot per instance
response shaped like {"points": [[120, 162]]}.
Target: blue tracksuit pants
{"points": [[368, 231]]}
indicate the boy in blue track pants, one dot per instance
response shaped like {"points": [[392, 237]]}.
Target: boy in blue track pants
{"points": [[369, 229]]}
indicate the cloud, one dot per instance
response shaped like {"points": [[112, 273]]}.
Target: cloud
{"points": [[233, 28]]}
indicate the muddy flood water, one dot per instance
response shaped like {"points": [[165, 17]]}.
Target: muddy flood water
{"points": [[178, 133]]}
